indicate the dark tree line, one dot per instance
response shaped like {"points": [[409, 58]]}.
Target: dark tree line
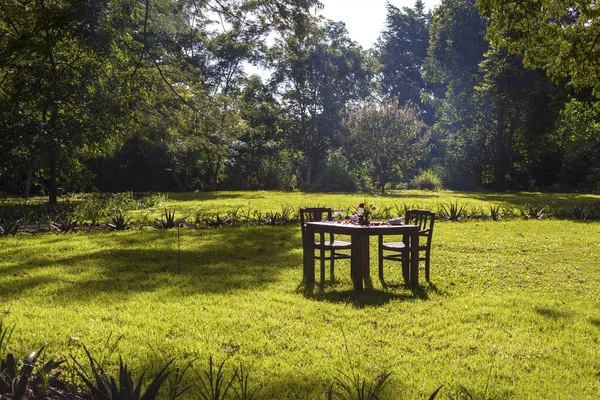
{"points": [[138, 95]]}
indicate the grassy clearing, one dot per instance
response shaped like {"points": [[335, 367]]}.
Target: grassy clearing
{"points": [[250, 204], [513, 309]]}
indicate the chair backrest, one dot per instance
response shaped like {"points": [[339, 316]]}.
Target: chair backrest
{"points": [[424, 219], [314, 214]]}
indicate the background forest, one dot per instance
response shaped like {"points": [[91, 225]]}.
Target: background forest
{"points": [[156, 95]]}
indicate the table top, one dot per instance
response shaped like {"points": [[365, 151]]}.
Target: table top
{"points": [[355, 229]]}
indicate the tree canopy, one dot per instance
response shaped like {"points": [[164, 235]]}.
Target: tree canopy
{"points": [[156, 95]]}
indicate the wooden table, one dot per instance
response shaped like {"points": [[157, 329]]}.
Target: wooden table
{"points": [[359, 261]]}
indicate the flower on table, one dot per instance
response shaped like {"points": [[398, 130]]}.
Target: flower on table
{"points": [[361, 209]]}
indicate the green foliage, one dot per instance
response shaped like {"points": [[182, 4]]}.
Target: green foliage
{"points": [[552, 37], [243, 389], [580, 212], [426, 180], [385, 137], [401, 50], [5, 335]]}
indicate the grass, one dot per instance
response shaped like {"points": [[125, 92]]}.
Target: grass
{"points": [[245, 204], [513, 309]]}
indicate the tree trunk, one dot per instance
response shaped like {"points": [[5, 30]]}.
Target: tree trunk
{"points": [[28, 183], [53, 185]]}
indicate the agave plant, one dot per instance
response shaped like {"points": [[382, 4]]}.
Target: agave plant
{"points": [[65, 223], [533, 212], [169, 221], [580, 212], [453, 211], [10, 227], [120, 222], [105, 387], [17, 379], [496, 213]]}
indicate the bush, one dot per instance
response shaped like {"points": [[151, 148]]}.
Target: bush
{"points": [[426, 180]]}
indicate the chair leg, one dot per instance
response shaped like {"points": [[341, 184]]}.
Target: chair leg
{"points": [[322, 256], [332, 267], [406, 265], [380, 259], [427, 265]]}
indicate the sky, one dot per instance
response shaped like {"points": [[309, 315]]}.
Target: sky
{"points": [[365, 19]]}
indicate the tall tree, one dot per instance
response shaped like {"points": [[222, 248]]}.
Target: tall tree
{"points": [[456, 48], [317, 75], [401, 51]]}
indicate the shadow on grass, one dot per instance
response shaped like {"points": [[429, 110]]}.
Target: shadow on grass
{"points": [[211, 261], [596, 322], [368, 297], [551, 313]]}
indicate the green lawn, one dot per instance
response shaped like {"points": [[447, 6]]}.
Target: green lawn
{"points": [[512, 311]]}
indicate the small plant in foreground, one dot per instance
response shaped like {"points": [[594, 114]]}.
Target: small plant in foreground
{"points": [[242, 388], [214, 385], [356, 387], [17, 380], [105, 387]]}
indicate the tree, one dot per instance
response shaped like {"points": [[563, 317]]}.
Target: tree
{"points": [[563, 38], [456, 48], [389, 138], [515, 114], [317, 74], [401, 50], [254, 159], [65, 83]]}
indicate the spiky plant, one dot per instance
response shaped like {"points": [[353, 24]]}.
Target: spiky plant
{"points": [[105, 387]]}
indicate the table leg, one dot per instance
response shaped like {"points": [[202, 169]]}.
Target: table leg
{"points": [[360, 253], [309, 259], [406, 238]]}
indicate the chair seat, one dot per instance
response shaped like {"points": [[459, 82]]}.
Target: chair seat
{"points": [[393, 246], [335, 244], [398, 246]]}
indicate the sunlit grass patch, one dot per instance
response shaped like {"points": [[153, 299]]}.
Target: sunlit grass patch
{"points": [[513, 303]]}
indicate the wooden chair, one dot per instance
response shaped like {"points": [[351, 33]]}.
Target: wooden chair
{"points": [[332, 246], [398, 251]]}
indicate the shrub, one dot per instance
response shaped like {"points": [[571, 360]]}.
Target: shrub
{"points": [[426, 180]]}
